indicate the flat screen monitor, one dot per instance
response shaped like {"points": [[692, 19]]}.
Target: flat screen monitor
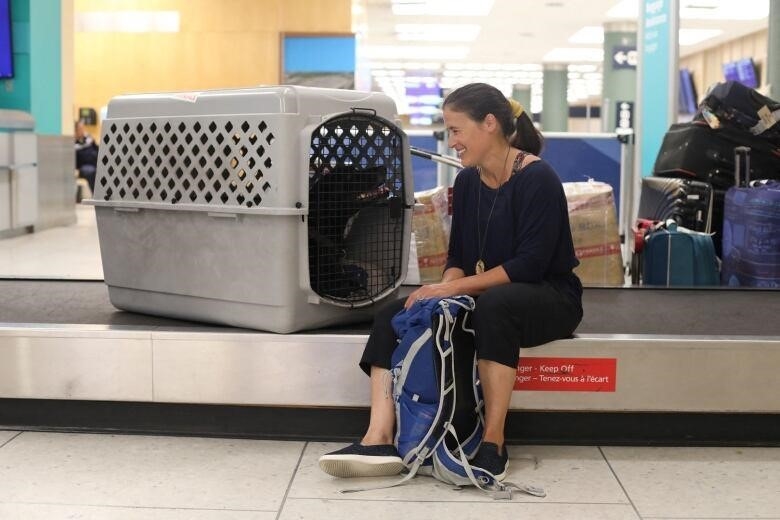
{"points": [[424, 98], [746, 71], [6, 48], [730, 71], [688, 100]]}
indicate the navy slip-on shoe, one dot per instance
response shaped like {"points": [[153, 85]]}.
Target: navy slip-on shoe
{"points": [[357, 460], [488, 459]]}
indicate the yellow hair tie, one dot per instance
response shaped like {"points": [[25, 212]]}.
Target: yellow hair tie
{"points": [[517, 108]]}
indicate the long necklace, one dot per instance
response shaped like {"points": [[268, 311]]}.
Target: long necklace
{"points": [[479, 268]]}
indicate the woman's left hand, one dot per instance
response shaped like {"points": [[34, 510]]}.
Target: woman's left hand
{"points": [[436, 290]]}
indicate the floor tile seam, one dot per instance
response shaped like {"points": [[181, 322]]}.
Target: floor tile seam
{"points": [[10, 440], [292, 479], [486, 500], [620, 483], [667, 517], [119, 506]]}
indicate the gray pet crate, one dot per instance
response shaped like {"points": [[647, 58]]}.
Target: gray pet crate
{"points": [[276, 208]]}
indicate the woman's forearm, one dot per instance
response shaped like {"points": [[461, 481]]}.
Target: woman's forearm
{"points": [[453, 273], [479, 283]]}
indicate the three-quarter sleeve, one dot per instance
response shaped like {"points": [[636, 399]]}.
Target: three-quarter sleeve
{"points": [[540, 220], [455, 249]]}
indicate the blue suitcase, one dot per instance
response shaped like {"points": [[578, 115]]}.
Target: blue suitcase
{"points": [[674, 257], [751, 236]]}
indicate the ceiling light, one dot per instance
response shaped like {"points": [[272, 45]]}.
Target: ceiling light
{"points": [[414, 52], [128, 21], [724, 10], [574, 55], [442, 7], [588, 35], [527, 67], [694, 36], [437, 32]]}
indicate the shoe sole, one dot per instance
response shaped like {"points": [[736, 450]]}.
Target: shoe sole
{"points": [[349, 466]]}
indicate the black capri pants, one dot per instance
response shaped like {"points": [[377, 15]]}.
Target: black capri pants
{"points": [[507, 318]]}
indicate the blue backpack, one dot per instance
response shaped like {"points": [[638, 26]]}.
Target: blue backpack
{"points": [[438, 396]]}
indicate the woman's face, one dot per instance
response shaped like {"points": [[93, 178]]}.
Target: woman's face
{"points": [[470, 139]]}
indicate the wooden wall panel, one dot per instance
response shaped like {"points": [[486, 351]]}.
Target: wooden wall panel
{"points": [[317, 16], [221, 44]]}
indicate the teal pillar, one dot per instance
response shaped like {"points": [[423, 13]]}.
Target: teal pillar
{"points": [[37, 83], [522, 94], [773, 50], [555, 106], [657, 78], [618, 91]]}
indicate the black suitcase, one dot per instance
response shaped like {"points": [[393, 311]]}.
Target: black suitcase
{"points": [[696, 151], [688, 202], [735, 105]]}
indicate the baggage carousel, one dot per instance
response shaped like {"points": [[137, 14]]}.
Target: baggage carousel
{"points": [[681, 366]]}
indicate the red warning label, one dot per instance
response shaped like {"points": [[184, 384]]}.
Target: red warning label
{"points": [[566, 374]]}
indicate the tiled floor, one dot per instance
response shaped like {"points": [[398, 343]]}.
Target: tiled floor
{"points": [[85, 476], [68, 252]]}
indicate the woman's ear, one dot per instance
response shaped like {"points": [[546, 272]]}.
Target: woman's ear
{"points": [[490, 122]]}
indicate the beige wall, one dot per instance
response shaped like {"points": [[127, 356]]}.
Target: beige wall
{"points": [[221, 44], [707, 66]]}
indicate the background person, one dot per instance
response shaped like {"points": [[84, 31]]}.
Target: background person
{"points": [[86, 154]]}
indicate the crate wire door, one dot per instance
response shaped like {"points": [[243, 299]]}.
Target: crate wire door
{"points": [[356, 208]]}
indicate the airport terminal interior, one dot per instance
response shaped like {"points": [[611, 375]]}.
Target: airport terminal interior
{"points": [[152, 308], [126, 471]]}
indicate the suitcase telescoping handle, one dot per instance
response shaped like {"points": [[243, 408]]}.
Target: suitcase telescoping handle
{"points": [[741, 164]]}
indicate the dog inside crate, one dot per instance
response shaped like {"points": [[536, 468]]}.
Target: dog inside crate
{"points": [[355, 209]]}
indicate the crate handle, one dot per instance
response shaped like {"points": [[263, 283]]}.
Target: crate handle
{"points": [[127, 210], [369, 110], [223, 215]]}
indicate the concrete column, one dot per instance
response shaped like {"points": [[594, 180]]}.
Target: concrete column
{"points": [[522, 94], [773, 50], [619, 74], [555, 106]]}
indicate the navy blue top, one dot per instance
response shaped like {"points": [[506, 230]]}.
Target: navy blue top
{"points": [[528, 232]]}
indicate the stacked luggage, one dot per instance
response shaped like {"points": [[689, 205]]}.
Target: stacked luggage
{"points": [[694, 176]]}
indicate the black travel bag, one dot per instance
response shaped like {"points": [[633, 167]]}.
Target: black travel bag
{"points": [[732, 104], [696, 151]]}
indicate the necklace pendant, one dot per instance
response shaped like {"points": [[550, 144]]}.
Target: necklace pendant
{"points": [[480, 267]]}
